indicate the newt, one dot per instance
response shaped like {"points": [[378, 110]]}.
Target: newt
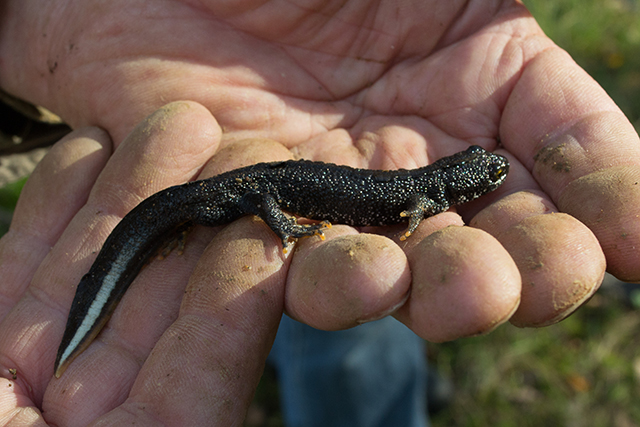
{"points": [[314, 190]]}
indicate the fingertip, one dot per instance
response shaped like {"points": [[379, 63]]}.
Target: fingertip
{"points": [[246, 151], [510, 210], [186, 122], [169, 147], [56, 190], [607, 203], [464, 284], [427, 227], [559, 259], [561, 264], [347, 280], [60, 184]]}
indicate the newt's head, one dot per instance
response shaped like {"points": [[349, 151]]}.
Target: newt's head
{"points": [[473, 173]]}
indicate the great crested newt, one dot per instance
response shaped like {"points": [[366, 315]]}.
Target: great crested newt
{"points": [[314, 190]]}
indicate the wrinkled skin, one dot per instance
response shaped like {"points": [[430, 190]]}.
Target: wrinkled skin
{"points": [[364, 83]]}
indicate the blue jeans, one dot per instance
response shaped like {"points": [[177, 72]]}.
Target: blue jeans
{"points": [[373, 375]]}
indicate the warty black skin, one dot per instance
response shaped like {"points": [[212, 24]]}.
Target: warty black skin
{"points": [[314, 190]]}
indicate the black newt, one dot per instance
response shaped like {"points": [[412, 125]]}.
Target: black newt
{"points": [[313, 190]]}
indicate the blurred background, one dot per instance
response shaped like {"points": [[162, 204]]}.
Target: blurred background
{"points": [[584, 371]]}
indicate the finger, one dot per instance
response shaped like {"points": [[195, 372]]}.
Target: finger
{"points": [[56, 190], [217, 347], [559, 259], [215, 352], [582, 150], [168, 148], [347, 279], [463, 282]]}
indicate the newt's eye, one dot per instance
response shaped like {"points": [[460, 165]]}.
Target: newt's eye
{"points": [[497, 172]]}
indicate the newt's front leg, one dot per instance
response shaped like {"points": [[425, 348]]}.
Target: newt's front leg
{"points": [[286, 227], [419, 207]]}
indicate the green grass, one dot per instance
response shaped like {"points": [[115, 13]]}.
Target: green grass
{"points": [[8, 198], [584, 371]]}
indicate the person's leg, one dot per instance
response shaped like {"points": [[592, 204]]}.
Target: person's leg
{"points": [[373, 375]]}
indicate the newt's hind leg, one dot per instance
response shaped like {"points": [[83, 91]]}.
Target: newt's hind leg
{"points": [[286, 227]]}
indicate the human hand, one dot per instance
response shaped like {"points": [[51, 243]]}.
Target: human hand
{"points": [[428, 92]]}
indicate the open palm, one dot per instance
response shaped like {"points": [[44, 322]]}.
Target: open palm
{"points": [[375, 84]]}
